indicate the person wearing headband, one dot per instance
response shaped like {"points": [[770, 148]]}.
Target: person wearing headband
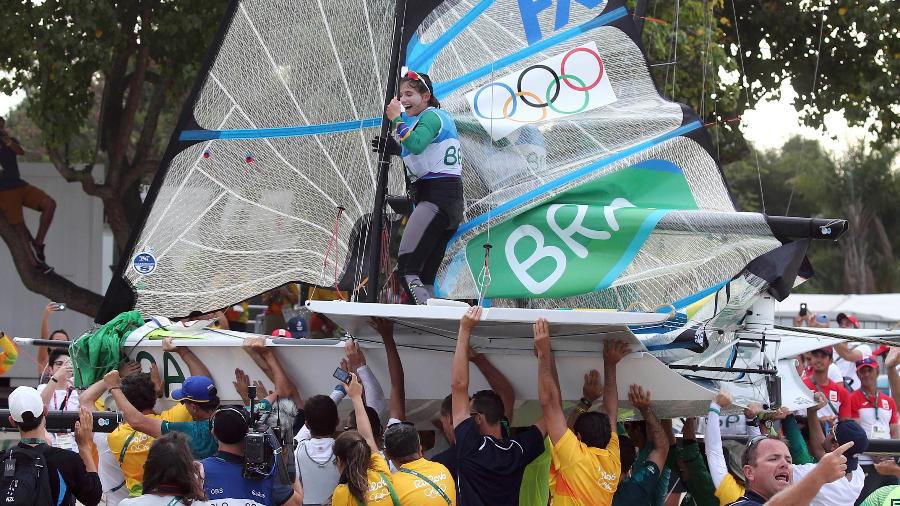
{"points": [[430, 148]]}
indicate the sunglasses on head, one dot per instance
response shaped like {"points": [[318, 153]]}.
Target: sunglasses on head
{"points": [[415, 76]]}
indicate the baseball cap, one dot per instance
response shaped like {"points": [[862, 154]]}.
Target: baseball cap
{"points": [[844, 316], [281, 333], [822, 319], [846, 431], [25, 400], [297, 327], [195, 388], [230, 424], [866, 362]]}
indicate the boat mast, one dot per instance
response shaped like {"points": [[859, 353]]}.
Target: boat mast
{"points": [[384, 160]]}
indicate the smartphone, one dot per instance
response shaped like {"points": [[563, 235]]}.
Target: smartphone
{"points": [[803, 309], [342, 375]]}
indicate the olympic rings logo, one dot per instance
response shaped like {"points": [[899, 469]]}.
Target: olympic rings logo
{"points": [[562, 84]]}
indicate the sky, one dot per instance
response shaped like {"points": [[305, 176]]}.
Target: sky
{"points": [[768, 126]]}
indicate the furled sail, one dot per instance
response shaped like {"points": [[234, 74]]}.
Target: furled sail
{"points": [[591, 189]]}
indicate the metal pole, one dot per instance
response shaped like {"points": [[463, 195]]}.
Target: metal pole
{"points": [[384, 162]]}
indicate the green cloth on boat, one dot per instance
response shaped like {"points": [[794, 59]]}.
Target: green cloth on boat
{"points": [[97, 353]]}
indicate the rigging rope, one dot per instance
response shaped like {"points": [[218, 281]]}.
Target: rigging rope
{"points": [[746, 88]]}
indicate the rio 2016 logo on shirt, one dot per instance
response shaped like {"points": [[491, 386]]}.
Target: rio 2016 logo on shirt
{"points": [[581, 240]]}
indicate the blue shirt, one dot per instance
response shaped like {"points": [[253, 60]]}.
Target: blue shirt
{"points": [[224, 484]]}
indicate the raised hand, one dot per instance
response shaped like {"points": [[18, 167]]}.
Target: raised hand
{"points": [[241, 382], [84, 428], [63, 373], [112, 379], [639, 397], [541, 336], [471, 318], [833, 466], [893, 357], [168, 344], [753, 409], [354, 388], [614, 352], [128, 368], [158, 384], [723, 398], [820, 400], [355, 357], [593, 387], [394, 108]]}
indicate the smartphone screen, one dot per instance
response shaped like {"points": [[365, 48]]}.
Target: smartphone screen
{"points": [[342, 375]]}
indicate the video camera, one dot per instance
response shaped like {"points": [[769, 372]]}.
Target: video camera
{"points": [[263, 447]]}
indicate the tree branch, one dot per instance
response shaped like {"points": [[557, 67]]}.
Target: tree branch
{"points": [[51, 285], [77, 176], [151, 119]]}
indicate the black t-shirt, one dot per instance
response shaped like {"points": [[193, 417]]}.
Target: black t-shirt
{"points": [[750, 498], [79, 484], [448, 458], [490, 470], [10, 178]]}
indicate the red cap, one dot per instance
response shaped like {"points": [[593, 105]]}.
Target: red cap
{"points": [[852, 319], [881, 350], [867, 362], [281, 333], [829, 350]]}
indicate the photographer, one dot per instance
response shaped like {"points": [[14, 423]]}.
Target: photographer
{"points": [[224, 472]]}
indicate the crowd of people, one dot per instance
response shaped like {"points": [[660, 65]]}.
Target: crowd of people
{"points": [[195, 450]]}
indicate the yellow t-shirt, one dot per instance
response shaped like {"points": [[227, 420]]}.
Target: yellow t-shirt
{"points": [[413, 491], [138, 447], [378, 495], [581, 475], [729, 490]]}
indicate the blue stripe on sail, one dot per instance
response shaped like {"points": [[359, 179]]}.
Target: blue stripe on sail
{"points": [[442, 89], [642, 234], [421, 56], [659, 165], [265, 133], [587, 169], [690, 299]]}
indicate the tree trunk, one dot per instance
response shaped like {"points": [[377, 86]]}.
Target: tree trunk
{"points": [[52, 285], [117, 219]]}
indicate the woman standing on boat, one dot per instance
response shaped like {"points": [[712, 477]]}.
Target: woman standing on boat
{"points": [[429, 145]]}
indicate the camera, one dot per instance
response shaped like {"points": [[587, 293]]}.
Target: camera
{"points": [[262, 446]]}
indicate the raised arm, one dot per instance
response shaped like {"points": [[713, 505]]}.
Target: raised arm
{"points": [[613, 353], [195, 366], [355, 392], [548, 383], [138, 421], [497, 381], [816, 436], [715, 456], [284, 387], [90, 395], [590, 392], [459, 377], [843, 350], [356, 362], [640, 399], [891, 361], [43, 353], [397, 401], [59, 379]]}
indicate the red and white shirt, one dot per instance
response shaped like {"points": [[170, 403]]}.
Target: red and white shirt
{"points": [[838, 398], [875, 414]]}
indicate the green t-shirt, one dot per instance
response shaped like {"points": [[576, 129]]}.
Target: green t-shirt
{"points": [[535, 488], [200, 438], [884, 496]]}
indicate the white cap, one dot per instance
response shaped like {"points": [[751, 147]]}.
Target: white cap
{"points": [[25, 400]]}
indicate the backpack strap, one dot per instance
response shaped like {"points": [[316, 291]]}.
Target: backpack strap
{"points": [[428, 481]]}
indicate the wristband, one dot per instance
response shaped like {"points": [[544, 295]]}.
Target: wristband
{"points": [[53, 379], [585, 402], [581, 409]]}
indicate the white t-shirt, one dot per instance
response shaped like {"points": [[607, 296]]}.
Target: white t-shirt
{"points": [[109, 471], [64, 398], [848, 367], [841, 492]]}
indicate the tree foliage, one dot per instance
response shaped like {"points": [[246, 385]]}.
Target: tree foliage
{"points": [[100, 78]]}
